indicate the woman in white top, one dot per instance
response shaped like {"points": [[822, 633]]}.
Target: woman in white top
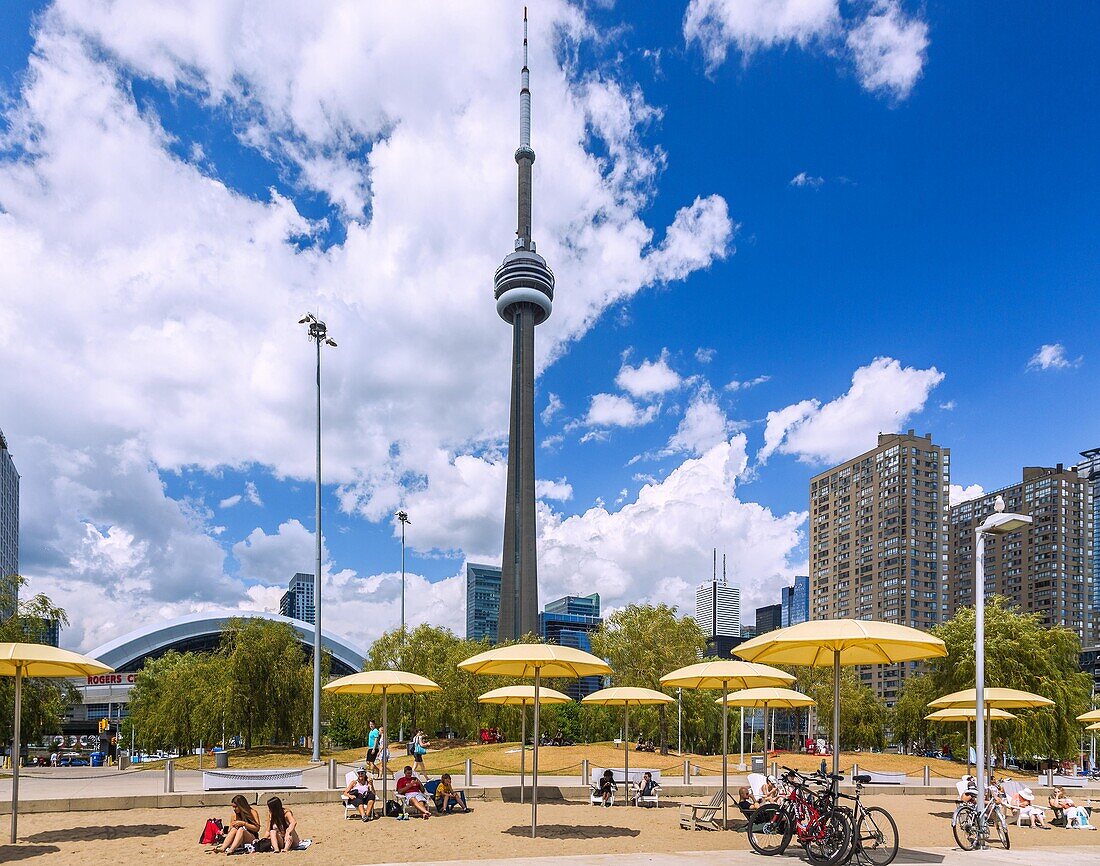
{"points": [[360, 793]]}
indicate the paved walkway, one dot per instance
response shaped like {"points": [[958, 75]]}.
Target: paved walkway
{"points": [[932, 856]]}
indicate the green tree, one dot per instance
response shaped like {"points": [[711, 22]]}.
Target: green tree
{"points": [[863, 715], [45, 699], [1020, 653], [642, 643], [178, 700]]}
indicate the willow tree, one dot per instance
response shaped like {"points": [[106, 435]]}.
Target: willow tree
{"points": [[642, 643]]}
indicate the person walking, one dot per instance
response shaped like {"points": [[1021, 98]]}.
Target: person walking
{"points": [[420, 749], [372, 748]]}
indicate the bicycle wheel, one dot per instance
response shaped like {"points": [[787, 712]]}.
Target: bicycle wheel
{"points": [[1002, 829], [770, 830], [832, 838], [966, 828], [876, 836]]}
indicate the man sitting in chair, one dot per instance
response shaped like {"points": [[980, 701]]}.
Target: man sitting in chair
{"points": [[410, 787], [360, 793], [746, 802], [647, 788]]}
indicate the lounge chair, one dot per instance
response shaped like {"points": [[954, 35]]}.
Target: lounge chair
{"points": [[595, 798], [349, 810], [703, 816], [653, 799]]}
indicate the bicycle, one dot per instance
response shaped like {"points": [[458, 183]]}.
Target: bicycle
{"points": [[876, 832], [822, 827], [971, 829]]}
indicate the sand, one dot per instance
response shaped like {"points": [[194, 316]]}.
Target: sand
{"points": [[493, 829]]}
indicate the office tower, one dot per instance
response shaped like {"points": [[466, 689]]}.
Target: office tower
{"points": [[297, 601], [769, 618], [9, 530], [796, 601], [1042, 568], [482, 601], [1089, 469], [524, 291], [718, 613], [45, 631], [570, 621], [878, 540]]}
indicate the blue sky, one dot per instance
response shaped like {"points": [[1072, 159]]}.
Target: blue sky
{"points": [[945, 221]]}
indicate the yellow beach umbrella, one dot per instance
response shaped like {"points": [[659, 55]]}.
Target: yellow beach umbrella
{"points": [[521, 696], [968, 715], [1095, 726], [836, 642], [21, 660], [623, 696], [1002, 699], [384, 683], [726, 674], [773, 698], [536, 660], [1090, 716]]}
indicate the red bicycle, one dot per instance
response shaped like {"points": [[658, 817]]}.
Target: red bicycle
{"points": [[809, 810]]}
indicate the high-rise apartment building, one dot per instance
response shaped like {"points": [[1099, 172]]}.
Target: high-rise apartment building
{"points": [[297, 601], [1044, 567], [570, 621], [878, 540], [9, 529], [718, 613], [1089, 469], [796, 602], [769, 618], [482, 601]]}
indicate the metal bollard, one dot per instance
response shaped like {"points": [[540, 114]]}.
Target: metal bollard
{"points": [[855, 772], [927, 776], [169, 777], [584, 771], [687, 772], [775, 769], [1050, 777], [332, 774], [469, 773]]}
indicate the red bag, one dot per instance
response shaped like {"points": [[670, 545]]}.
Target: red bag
{"points": [[212, 832]]}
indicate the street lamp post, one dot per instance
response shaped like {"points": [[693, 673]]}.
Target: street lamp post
{"points": [[318, 333], [998, 523], [403, 518]]}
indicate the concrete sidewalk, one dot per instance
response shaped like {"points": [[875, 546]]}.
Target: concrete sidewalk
{"points": [[932, 856]]}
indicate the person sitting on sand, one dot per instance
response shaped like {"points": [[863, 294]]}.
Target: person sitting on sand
{"points": [[1029, 811], [282, 829], [243, 827], [447, 798], [410, 787], [607, 787], [1076, 817], [746, 802], [360, 793], [648, 787]]}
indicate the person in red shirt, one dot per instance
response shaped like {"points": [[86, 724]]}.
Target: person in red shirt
{"points": [[409, 787]]}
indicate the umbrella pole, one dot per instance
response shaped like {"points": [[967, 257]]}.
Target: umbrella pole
{"points": [[522, 744], [626, 751], [765, 738], [741, 766], [385, 753], [535, 760], [15, 750], [836, 716], [725, 755], [968, 747]]}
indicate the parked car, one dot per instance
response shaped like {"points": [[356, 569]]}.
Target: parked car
{"points": [[72, 759]]}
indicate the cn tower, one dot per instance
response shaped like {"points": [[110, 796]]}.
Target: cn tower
{"points": [[524, 291]]}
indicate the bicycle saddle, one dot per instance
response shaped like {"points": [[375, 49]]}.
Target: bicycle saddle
{"points": [[861, 779]]}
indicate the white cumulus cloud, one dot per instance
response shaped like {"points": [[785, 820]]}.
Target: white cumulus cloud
{"points": [[958, 494], [1052, 356], [884, 394], [649, 378], [803, 179], [614, 410], [703, 426], [889, 49]]}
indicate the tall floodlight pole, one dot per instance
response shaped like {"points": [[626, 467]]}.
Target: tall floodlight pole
{"points": [[524, 290], [318, 332], [998, 523]]}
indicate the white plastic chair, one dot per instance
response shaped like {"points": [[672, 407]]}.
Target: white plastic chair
{"points": [[349, 810], [756, 782]]}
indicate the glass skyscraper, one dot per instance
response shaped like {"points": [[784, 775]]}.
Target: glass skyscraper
{"points": [[482, 601], [570, 621], [9, 529], [796, 601], [297, 601]]}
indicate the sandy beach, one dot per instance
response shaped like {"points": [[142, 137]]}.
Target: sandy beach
{"points": [[493, 830]]}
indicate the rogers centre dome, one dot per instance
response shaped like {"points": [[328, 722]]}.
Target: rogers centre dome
{"points": [[202, 632]]}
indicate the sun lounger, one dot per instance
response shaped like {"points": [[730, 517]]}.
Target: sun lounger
{"points": [[885, 778], [703, 816]]}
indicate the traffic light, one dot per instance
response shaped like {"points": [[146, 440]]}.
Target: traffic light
{"points": [[104, 725]]}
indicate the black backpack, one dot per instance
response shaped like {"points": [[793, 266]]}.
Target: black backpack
{"points": [[394, 809]]}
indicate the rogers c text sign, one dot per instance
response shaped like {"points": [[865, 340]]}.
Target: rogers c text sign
{"points": [[111, 679]]}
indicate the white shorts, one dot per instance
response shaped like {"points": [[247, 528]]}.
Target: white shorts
{"points": [[416, 795]]}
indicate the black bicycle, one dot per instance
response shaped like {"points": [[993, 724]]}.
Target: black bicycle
{"points": [[875, 840]]}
